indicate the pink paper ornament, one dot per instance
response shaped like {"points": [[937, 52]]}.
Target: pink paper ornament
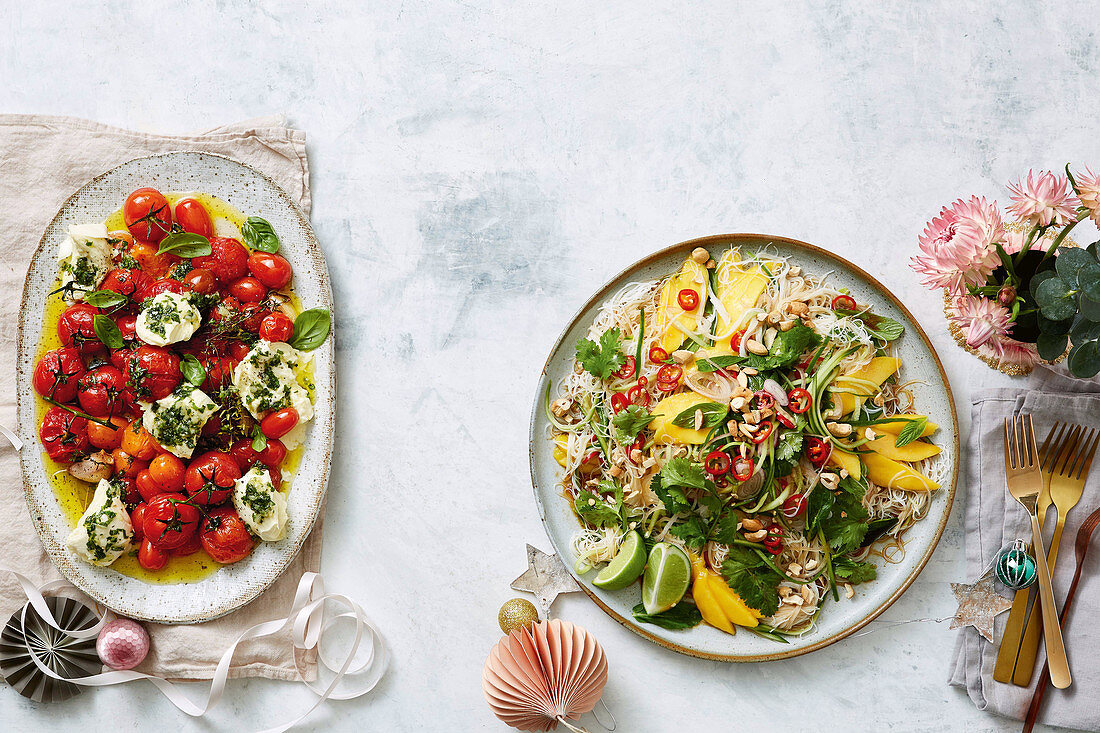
{"points": [[122, 644], [539, 675]]}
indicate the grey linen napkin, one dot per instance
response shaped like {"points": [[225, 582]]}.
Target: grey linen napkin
{"points": [[43, 160], [994, 519]]}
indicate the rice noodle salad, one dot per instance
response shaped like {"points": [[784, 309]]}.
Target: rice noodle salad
{"points": [[752, 420]]}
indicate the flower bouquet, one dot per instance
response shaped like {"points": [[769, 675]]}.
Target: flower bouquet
{"points": [[1019, 291]]}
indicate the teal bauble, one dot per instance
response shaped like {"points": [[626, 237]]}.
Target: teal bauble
{"points": [[1016, 568]]}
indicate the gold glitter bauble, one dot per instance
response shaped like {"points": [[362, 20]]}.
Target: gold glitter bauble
{"points": [[515, 614]]}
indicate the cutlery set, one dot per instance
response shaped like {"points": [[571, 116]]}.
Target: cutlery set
{"points": [[1053, 474]]}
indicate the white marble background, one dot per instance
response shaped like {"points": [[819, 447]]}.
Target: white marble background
{"points": [[478, 170]]}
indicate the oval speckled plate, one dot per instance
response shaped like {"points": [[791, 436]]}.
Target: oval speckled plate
{"points": [[837, 620], [235, 585]]}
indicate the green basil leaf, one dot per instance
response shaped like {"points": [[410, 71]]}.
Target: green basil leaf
{"points": [[912, 430], [311, 328], [259, 440], [105, 299], [185, 244], [192, 370], [258, 234], [713, 415], [107, 331]]}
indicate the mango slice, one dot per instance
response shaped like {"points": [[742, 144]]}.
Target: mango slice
{"points": [[885, 472], [895, 426], [670, 317], [704, 598], [877, 371], [731, 604], [847, 461], [666, 411], [738, 289], [885, 445]]}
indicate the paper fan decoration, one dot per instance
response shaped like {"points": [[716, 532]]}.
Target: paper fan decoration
{"points": [[63, 654], [539, 675]]}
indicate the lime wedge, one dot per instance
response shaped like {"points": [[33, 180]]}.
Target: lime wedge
{"points": [[667, 576], [625, 567]]}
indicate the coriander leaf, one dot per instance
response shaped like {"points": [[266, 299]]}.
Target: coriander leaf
{"points": [[713, 415], [693, 531], [818, 507], [752, 579], [603, 359], [913, 429], [596, 511], [725, 529], [681, 616], [682, 472], [847, 523], [787, 348], [630, 422], [854, 571]]}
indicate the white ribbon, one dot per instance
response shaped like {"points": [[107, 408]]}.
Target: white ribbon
{"points": [[306, 622]]}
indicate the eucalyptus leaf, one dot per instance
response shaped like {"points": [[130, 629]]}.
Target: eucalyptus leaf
{"points": [[311, 328], [185, 244], [1039, 278], [1084, 359], [1055, 298], [1089, 308], [1091, 288], [1088, 275], [107, 331], [106, 299], [1059, 328], [1070, 261], [259, 234], [192, 370], [1084, 330], [1052, 345]]}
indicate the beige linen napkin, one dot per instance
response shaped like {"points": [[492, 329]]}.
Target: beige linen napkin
{"points": [[994, 519], [43, 160]]}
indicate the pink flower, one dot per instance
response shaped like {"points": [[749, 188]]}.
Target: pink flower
{"points": [[1088, 187], [1015, 238], [1044, 200], [957, 246], [1011, 351], [980, 320]]}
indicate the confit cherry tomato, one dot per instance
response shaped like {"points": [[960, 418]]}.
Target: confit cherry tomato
{"points": [[238, 350], [201, 281], [281, 422], [153, 264], [137, 519], [147, 214], [63, 434], [139, 442], [152, 372], [163, 285], [219, 372], [189, 547], [170, 519], [244, 454], [120, 358], [125, 281], [76, 328], [146, 487], [100, 391], [277, 326], [276, 477], [270, 269], [794, 506], [127, 327], [224, 536], [168, 471], [57, 374], [273, 453], [105, 438], [192, 216], [228, 259], [126, 465], [210, 478], [150, 556], [248, 290]]}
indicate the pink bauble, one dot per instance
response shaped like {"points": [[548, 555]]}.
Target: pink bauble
{"points": [[122, 644]]}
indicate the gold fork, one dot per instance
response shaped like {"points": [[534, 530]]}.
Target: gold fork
{"points": [[1010, 639], [1067, 482], [1025, 480]]}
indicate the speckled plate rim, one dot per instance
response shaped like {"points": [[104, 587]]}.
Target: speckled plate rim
{"points": [[322, 430], [734, 239]]}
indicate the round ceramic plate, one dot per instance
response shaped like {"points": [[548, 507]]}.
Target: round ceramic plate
{"points": [[836, 620], [235, 585]]}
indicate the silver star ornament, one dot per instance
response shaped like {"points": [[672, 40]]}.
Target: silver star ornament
{"points": [[978, 605], [546, 577]]}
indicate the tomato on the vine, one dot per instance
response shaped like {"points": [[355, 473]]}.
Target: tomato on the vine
{"points": [[190, 546], [192, 216], [170, 519], [100, 391], [163, 285], [210, 478], [76, 328], [150, 556], [126, 281], [168, 471], [57, 374], [127, 328], [152, 372], [63, 434], [224, 536], [271, 269], [201, 281], [277, 326], [149, 259], [228, 259], [147, 214], [248, 290], [137, 520], [105, 438]]}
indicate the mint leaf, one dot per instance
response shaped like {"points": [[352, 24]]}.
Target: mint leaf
{"points": [[752, 579], [679, 617], [603, 359], [912, 430], [630, 422]]}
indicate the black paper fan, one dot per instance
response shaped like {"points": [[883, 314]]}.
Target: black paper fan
{"points": [[61, 653]]}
